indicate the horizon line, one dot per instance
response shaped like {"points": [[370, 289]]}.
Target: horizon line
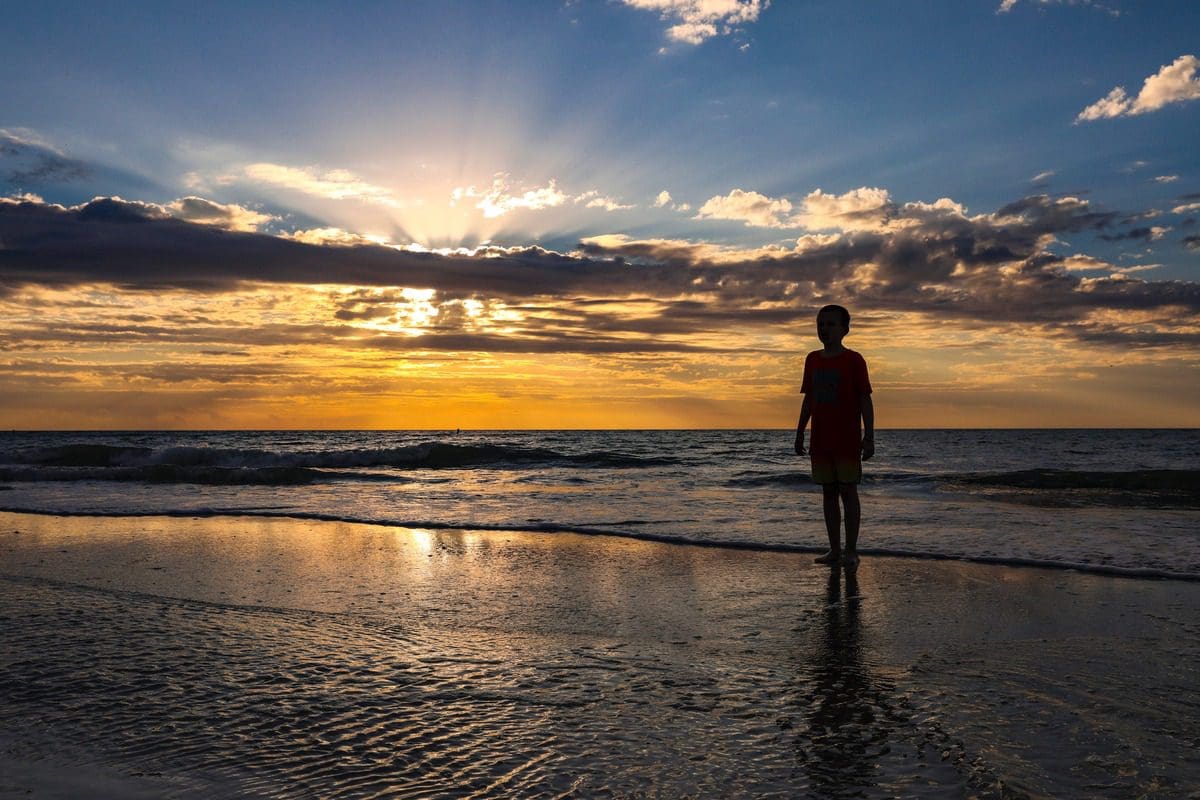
{"points": [[581, 430]]}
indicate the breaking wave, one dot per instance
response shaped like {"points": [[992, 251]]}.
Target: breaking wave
{"points": [[1158, 488], [225, 466]]}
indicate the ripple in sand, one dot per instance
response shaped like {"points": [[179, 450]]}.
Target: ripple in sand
{"points": [[285, 703]]}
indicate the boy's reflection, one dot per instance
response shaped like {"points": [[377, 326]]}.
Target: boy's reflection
{"points": [[847, 730]]}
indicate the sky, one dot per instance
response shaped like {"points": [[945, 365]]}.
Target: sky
{"points": [[597, 213]]}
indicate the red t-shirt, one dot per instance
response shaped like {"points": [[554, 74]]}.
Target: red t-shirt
{"points": [[835, 388]]}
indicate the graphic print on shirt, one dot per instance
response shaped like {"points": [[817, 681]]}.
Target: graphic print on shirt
{"points": [[825, 385]]}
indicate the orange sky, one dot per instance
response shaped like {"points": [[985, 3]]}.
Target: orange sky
{"points": [[278, 357]]}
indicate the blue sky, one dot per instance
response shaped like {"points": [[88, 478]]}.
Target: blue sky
{"points": [[702, 131], [926, 100]]}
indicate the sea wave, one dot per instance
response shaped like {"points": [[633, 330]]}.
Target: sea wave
{"points": [[549, 528], [1149, 488], [189, 474], [761, 480], [1055, 488], [793, 478], [426, 455], [1147, 479]]}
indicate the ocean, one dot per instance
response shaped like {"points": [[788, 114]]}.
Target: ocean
{"points": [[1110, 501]]}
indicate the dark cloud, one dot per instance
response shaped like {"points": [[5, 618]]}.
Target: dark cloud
{"points": [[1137, 338], [168, 372], [364, 313], [138, 246], [1043, 214], [232, 217], [1192, 242], [28, 164], [986, 268], [368, 305], [1140, 234], [165, 371], [116, 210], [532, 336], [197, 209], [532, 342]]}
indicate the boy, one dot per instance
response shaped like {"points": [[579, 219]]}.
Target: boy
{"points": [[837, 393]]}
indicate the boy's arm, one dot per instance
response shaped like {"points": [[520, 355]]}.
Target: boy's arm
{"points": [[805, 413], [868, 417]]}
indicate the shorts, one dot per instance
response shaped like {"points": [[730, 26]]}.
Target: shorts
{"points": [[836, 466]]}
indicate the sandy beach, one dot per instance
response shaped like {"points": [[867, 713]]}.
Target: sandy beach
{"points": [[258, 657]]}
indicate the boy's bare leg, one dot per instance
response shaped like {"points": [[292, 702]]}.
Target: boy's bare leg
{"points": [[833, 524], [849, 494]]}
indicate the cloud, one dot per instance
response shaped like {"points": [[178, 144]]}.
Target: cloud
{"points": [[335, 184], [18, 138], [931, 258], [1174, 83], [1045, 215], [498, 200], [863, 209], [206, 212], [679, 252], [329, 236], [1166, 179], [664, 200], [1085, 263], [593, 199], [1042, 177], [195, 210], [695, 21], [29, 160], [749, 207], [140, 245], [1080, 263], [991, 267], [1146, 234], [1186, 208], [1008, 5], [26, 197], [858, 209]]}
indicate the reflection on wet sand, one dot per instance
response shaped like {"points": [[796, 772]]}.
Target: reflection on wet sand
{"points": [[870, 731], [848, 718]]}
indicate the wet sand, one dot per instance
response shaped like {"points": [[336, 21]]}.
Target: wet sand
{"points": [[280, 658]]}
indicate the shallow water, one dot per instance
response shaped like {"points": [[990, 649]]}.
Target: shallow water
{"points": [[274, 659]]}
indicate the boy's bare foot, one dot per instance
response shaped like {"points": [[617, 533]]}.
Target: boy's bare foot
{"points": [[850, 559], [829, 558]]}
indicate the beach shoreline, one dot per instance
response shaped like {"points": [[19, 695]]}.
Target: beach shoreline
{"points": [[607, 665]]}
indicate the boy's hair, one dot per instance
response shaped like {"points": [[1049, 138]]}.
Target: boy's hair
{"points": [[839, 309]]}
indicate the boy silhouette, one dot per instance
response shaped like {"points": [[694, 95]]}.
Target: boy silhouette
{"points": [[837, 394]]}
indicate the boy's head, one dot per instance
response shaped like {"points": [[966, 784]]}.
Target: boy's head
{"points": [[833, 323]]}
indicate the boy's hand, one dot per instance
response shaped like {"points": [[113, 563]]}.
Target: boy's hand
{"points": [[800, 445], [868, 448]]}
